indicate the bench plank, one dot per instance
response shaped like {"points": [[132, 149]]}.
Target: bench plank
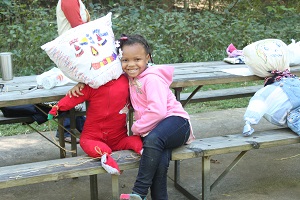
{"points": [[13, 120], [220, 94], [52, 170], [235, 143]]}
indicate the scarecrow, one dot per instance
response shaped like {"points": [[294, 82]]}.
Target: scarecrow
{"points": [[105, 128], [279, 99]]}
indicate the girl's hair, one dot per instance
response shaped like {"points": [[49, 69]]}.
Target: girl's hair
{"points": [[134, 39]]}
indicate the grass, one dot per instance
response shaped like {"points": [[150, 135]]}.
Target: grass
{"points": [[18, 129], [191, 108]]}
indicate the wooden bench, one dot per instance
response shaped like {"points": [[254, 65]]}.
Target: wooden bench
{"points": [[53, 170], [220, 94], [207, 147], [13, 120]]}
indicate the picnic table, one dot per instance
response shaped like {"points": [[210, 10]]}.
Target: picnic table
{"points": [[185, 75], [21, 90], [16, 92]]}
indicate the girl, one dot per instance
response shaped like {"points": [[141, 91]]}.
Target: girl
{"points": [[161, 120]]}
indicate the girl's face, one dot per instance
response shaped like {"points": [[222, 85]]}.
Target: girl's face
{"points": [[134, 59]]}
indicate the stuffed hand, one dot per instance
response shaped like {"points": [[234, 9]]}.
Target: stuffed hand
{"points": [[109, 164], [248, 130], [53, 112]]}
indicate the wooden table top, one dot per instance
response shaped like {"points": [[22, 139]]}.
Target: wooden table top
{"points": [[210, 73], [185, 75], [13, 89]]}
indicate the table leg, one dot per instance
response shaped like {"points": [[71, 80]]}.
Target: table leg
{"points": [[178, 185], [61, 137], [177, 162], [179, 90], [177, 93], [191, 95], [205, 177], [73, 131], [177, 171]]}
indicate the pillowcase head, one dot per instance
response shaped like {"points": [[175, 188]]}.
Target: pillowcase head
{"points": [[87, 53]]}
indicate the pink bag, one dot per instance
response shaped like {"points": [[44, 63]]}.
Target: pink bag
{"points": [[233, 52]]}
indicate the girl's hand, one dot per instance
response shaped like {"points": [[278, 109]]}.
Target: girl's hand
{"points": [[76, 90]]}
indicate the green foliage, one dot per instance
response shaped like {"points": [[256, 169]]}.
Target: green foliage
{"points": [[200, 33], [176, 35], [24, 29]]}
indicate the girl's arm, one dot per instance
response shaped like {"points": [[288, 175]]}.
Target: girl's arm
{"points": [[76, 90]]}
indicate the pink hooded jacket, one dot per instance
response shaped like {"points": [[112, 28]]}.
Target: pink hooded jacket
{"points": [[153, 100]]}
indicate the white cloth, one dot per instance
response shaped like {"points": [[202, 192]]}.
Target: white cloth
{"points": [[270, 102], [62, 22]]}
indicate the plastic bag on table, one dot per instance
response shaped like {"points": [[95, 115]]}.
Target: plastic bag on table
{"points": [[270, 102], [294, 53], [52, 78]]}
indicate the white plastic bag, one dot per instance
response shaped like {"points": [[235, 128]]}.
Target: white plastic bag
{"points": [[267, 55], [87, 53], [270, 102], [52, 78], [294, 53]]}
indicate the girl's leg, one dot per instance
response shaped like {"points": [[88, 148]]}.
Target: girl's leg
{"points": [[170, 133], [159, 183]]}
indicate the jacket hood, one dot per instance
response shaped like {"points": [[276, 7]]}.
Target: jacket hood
{"points": [[163, 71]]}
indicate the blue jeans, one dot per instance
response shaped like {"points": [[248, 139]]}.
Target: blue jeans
{"points": [[170, 133], [293, 120]]}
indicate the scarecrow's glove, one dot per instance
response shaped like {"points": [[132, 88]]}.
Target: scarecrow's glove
{"points": [[109, 164], [248, 130], [53, 112]]}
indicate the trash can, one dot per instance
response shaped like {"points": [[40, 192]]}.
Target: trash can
{"points": [[6, 66]]}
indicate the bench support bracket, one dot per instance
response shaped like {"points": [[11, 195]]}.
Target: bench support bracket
{"points": [[228, 169], [206, 186]]}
